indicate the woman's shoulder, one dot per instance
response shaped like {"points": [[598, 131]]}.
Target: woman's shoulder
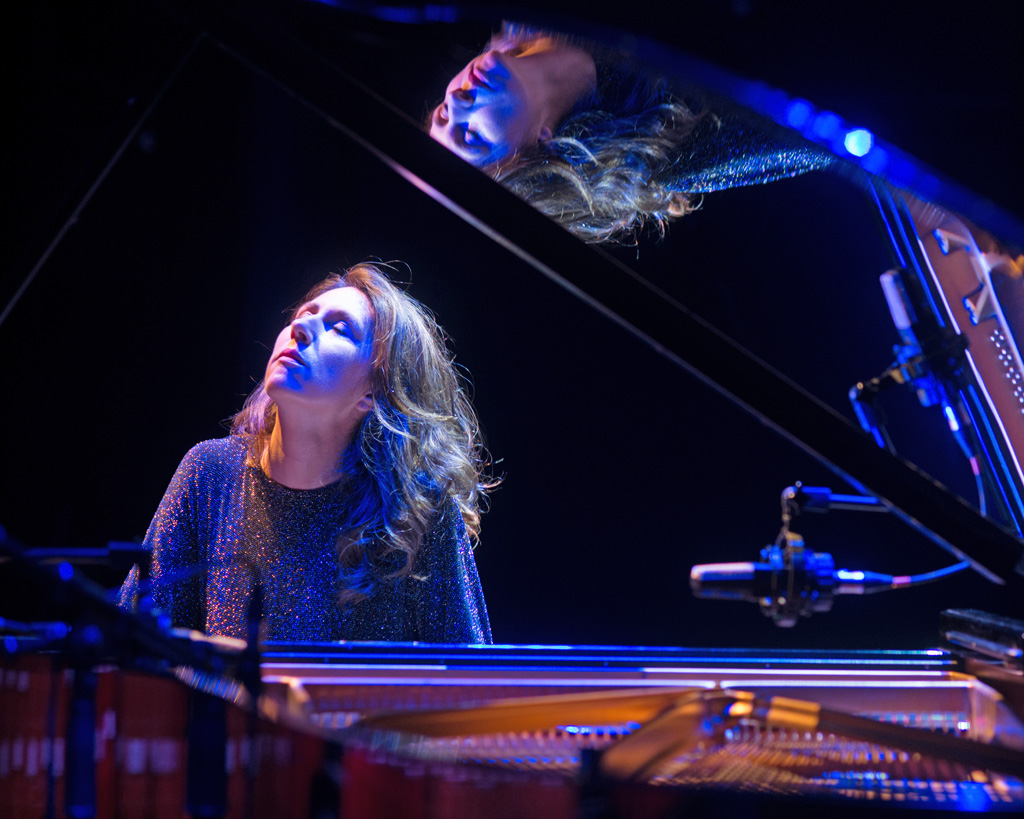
{"points": [[448, 526], [216, 452]]}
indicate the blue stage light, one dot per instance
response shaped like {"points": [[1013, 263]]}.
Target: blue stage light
{"points": [[876, 161], [826, 126], [798, 112], [858, 142]]}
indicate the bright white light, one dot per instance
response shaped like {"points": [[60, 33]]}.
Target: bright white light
{"points": [[858, 142], [951, 418]]}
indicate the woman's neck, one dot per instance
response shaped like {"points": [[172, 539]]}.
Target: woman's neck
{"points": [[304, 457]]}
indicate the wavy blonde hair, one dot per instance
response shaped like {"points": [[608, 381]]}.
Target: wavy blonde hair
{"points": [[418, 447], [600, 175]]}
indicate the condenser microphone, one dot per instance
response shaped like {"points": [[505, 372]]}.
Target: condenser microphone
{"points": [[786, 583]]}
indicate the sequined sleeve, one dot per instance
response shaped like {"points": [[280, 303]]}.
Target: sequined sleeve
{"points": [[721, 152], [171, 540], [179, 569], [450, 605], [724, 153]]}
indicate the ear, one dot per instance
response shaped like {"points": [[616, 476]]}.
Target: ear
{"points": [[545, 134], [365, 404]]}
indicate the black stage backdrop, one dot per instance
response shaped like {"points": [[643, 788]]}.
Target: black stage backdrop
{"points": [[151, 320]]}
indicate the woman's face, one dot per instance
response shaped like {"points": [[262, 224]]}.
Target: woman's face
{"points": [[491, 108], [322, 359]]}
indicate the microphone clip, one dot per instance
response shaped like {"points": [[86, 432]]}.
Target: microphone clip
{"points": [[800, 582]]}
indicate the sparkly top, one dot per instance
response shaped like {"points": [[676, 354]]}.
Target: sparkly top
{"points": [[724, 153], [223, 524], [721, 152]]}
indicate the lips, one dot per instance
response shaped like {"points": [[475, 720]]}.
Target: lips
{"points": [[291, 355]]}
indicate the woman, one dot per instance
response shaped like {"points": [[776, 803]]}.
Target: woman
{"points": [[593, 142], [342, 503]]}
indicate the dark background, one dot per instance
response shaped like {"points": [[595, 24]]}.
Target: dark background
{"points": [[151, 319]]}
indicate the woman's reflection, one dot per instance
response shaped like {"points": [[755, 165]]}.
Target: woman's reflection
{"points": [[589, 139], [511, 96]]}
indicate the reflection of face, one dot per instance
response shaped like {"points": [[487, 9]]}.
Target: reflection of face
{"points": [[322, 359], [491, 108]]}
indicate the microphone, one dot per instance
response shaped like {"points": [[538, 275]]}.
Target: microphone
{"points": [[789, 583]]}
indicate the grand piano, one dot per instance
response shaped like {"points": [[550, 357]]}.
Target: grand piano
{"points": [[168, 220]]}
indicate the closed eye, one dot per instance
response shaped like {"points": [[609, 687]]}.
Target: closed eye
{"points": [[344, 324]]}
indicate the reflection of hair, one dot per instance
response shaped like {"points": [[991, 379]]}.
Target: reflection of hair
{"points": [[604, 173], [599, 175], [418, 446]]}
